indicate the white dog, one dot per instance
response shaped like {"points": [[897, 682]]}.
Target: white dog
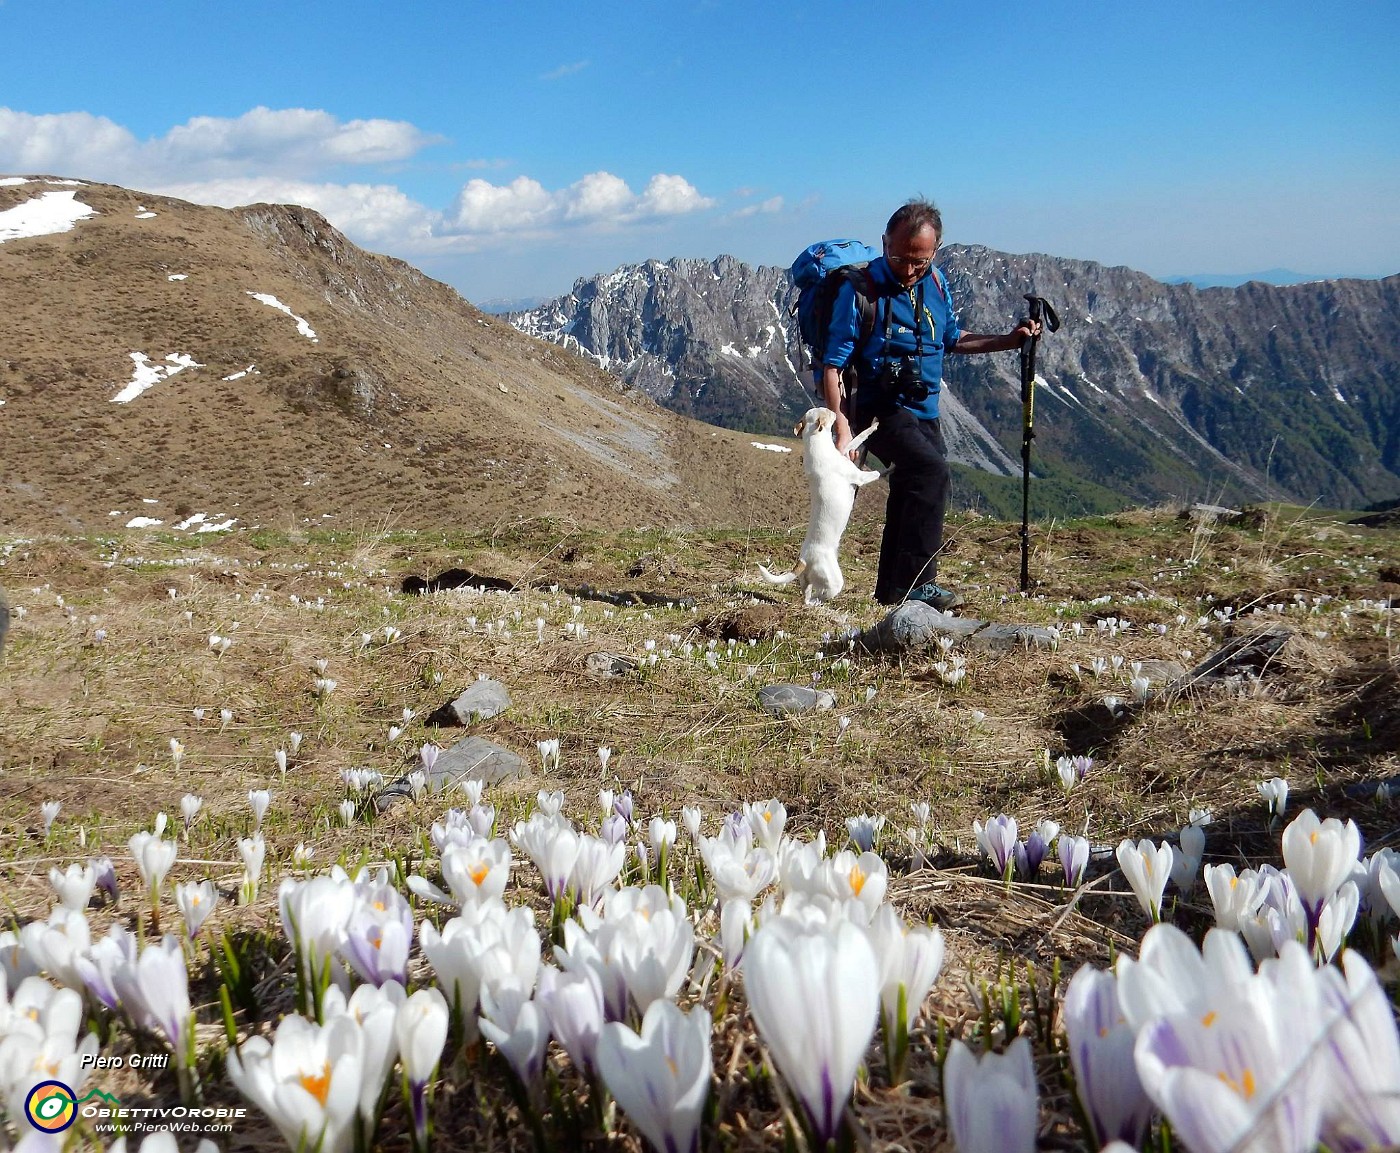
{"points": [[833, 479]]}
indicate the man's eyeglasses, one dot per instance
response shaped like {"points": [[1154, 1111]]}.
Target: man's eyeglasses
{"points": [[910, 262]]}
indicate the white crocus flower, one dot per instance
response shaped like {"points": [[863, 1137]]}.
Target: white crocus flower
{"points": [[1335, 921], [49, 812], [420, 1027], [1239, 1077], [691, 817], [660, 1077], [196, 902], [1186, 864], [315, 918], [573, 1002], [661, 834], [648, 935], [1320, 856], [767, 822], [1170, 975], [864, 879], [519, 1029], [864, 829], [74, 885], [41, 1042], [1147, 868], [814, 995], [990, 1103], [1362, 1058], [596, 865], [253, 850], [475, 872], [308, 1080], [737, 875], [56, 945], [1235, 897], [553, 845], [910, 960], [154, 857], [1100, 1043], [163, 981], [189, 809], [374, 1008], [1275, 794], [258, 800]]}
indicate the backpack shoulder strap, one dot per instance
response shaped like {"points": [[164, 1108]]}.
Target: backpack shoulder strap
{"points": [[859, 276]]}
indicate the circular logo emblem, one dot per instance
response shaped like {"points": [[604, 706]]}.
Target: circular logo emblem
{"points": [[51, 1106]]}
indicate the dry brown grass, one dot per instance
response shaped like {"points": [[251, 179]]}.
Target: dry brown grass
{"points": [[88, 722]]}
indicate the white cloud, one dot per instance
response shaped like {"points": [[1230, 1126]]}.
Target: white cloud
{"points": [[771, 205], [598, 200], [519, 206], [69, 142], [671, 196], [565, 70], [598, 196], [288, 141]]}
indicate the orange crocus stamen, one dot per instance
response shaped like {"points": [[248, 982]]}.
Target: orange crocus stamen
{"points": [[317, 1084]]}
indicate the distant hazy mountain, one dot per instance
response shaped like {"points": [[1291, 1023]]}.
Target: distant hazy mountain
{"points": [[1234, 280], [500, 305], [1151, 390]]}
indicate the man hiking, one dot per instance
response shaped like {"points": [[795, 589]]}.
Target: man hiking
{"points": [[899, 370]]}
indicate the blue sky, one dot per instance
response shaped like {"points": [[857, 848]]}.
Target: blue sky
{"points": [[510, 148]]}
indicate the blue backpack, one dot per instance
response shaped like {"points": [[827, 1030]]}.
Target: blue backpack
{"points": [[817, 274]]}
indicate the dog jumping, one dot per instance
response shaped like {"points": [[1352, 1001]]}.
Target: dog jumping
{"points": [[833, 479]]}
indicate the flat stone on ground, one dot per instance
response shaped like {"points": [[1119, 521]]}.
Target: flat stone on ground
{"points": [[609, 664], [483, 700], [471, 759], [779, 699], [1000, 638], [915, 625]]}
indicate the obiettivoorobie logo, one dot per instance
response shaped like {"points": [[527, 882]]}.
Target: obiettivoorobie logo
{"points": [[52, 1106]]}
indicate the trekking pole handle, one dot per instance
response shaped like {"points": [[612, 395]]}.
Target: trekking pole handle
{"points": [[1043, 311]]}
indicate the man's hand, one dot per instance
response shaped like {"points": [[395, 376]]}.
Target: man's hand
{"points": [[1025, 330], [843, 434]]}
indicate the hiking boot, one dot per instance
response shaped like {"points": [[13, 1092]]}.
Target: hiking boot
{"points": [[940, 598]]}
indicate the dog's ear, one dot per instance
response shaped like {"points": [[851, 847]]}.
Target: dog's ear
{"points": [[800, 427], [826, 419]]}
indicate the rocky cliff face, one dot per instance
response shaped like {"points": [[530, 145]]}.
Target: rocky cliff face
{"points": [[1150, 390]]}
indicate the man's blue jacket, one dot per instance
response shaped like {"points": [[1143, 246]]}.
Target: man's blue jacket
{"points": [[939, 325]]}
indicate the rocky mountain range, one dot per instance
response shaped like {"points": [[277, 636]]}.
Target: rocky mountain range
{"points": [[1150, 391], [178, 366]]}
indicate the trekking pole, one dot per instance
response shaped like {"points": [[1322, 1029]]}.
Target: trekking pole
{"points": [[1040, 310]]}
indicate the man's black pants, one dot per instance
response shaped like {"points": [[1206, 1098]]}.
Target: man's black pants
{"points": [[919, 487]]}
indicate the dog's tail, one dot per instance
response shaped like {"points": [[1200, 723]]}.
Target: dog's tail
{"points": [[782, 578]]}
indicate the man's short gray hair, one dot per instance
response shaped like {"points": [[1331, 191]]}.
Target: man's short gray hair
{"points": [[915, 215]]}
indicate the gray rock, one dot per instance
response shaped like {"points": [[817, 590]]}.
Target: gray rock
{"points": [[1161, 673], [915, 625], [779, 699], [4, 620], [482, 701], [609, 664], [1000, 638], [472, 759]]}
